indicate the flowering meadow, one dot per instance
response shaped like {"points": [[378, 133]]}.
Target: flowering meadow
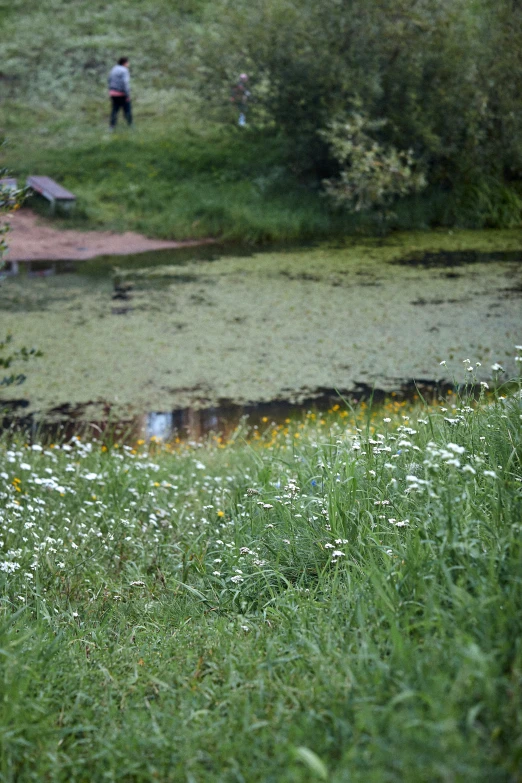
{"points": [[332, 598]]}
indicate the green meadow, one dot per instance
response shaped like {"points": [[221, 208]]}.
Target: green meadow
{"points": [[176, 182], [335, 598]]}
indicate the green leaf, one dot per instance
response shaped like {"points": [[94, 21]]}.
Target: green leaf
{"points": [[312, 761]]}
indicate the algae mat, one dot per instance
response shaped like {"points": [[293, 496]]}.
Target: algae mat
{"points": [[273, 325]]}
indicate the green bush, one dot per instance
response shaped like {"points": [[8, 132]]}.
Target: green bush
{"points": [[439, 80]]}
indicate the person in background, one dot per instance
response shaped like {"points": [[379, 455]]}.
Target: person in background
{"points": [[119, 91], [240, 96]]}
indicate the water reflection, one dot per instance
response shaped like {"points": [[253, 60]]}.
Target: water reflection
{"points": [[195, 424], [159, 425], [67, 421], [106, 266]]}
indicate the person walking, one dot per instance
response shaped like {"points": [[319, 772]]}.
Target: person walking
{"points": [[119, 91], [240, 96]]}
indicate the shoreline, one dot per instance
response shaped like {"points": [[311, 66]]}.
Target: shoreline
{"points": [[32, 239]]}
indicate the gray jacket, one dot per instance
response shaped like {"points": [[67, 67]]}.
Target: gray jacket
{"points": [[119, 79]]}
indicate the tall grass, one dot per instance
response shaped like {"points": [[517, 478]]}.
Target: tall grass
{"points": [[334, 598]]}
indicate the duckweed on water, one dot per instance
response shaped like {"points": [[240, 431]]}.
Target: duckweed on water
{"points": [[274, 325]]}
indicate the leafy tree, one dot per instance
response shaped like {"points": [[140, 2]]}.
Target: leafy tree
{"points": [[441, 78]]}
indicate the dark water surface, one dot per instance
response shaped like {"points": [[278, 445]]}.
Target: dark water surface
{"points": [[194, 424]]}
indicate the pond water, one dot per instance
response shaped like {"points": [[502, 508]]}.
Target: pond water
{"points": [[215, 330]]}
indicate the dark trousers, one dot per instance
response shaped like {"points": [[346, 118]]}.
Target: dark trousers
{"points": [[120, 102]]}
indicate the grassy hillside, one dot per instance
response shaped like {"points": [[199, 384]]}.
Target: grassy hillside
{"points": [[171, 180], [54, 50], [180, 173], [187, 170]]}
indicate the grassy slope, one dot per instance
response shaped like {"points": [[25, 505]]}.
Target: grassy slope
{"points": [[170, 626], [180, 183], [181, 174], [171, 180], [187, 171]]}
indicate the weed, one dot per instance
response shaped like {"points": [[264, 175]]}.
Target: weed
{"points": [[332, 594]]}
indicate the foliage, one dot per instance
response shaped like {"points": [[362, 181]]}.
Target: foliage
{"points": [[372, 176], [9, 355], [338, 595], [437, 78], [10, 199]]}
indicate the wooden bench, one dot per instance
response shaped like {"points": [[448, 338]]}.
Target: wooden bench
{"points": [[54, 193]]}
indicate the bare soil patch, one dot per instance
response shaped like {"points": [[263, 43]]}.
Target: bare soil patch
{"points": [[32, 239]]}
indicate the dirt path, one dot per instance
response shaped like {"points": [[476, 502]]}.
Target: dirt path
{"points": [[31, 239]]}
